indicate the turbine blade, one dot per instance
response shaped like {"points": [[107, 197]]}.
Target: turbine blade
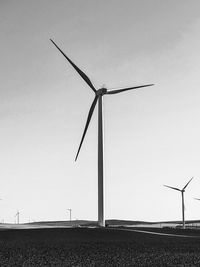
{"points": [[87, 123], [172, 187], [187, 183], [197, 198], [80, 72], [126, 89]]}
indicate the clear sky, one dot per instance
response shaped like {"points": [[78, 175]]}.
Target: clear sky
{"points": [[152, 135]]}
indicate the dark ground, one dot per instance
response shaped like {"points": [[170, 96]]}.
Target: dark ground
{"points": [[97, 247]]}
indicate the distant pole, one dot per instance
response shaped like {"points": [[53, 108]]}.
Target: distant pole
{"points": [[70, 214]]}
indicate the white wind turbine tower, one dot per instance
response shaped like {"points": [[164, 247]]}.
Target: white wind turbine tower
{"points": [[182, 196], [17, 215], [99, 93], [70, 214]]}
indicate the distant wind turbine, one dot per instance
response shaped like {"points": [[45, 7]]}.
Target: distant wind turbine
{"points": [[70, 214], [17, 215], [98, 98], [182, 196]]}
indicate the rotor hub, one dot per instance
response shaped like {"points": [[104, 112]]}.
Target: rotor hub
{"points": [[101, 91]]}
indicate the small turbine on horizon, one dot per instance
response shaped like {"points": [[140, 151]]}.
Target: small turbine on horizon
{"points": [[99, 93], [70, 214], [17, 215], [182, 196]]}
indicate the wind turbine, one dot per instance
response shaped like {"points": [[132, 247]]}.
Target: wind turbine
{"points": [[70, 214], [17, 215], [99, 93], [182, 196]]}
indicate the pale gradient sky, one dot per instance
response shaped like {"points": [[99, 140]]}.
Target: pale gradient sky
{"points": [[152, 135]]}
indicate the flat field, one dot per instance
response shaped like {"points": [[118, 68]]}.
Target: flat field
{"points": [[97, 247]]}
